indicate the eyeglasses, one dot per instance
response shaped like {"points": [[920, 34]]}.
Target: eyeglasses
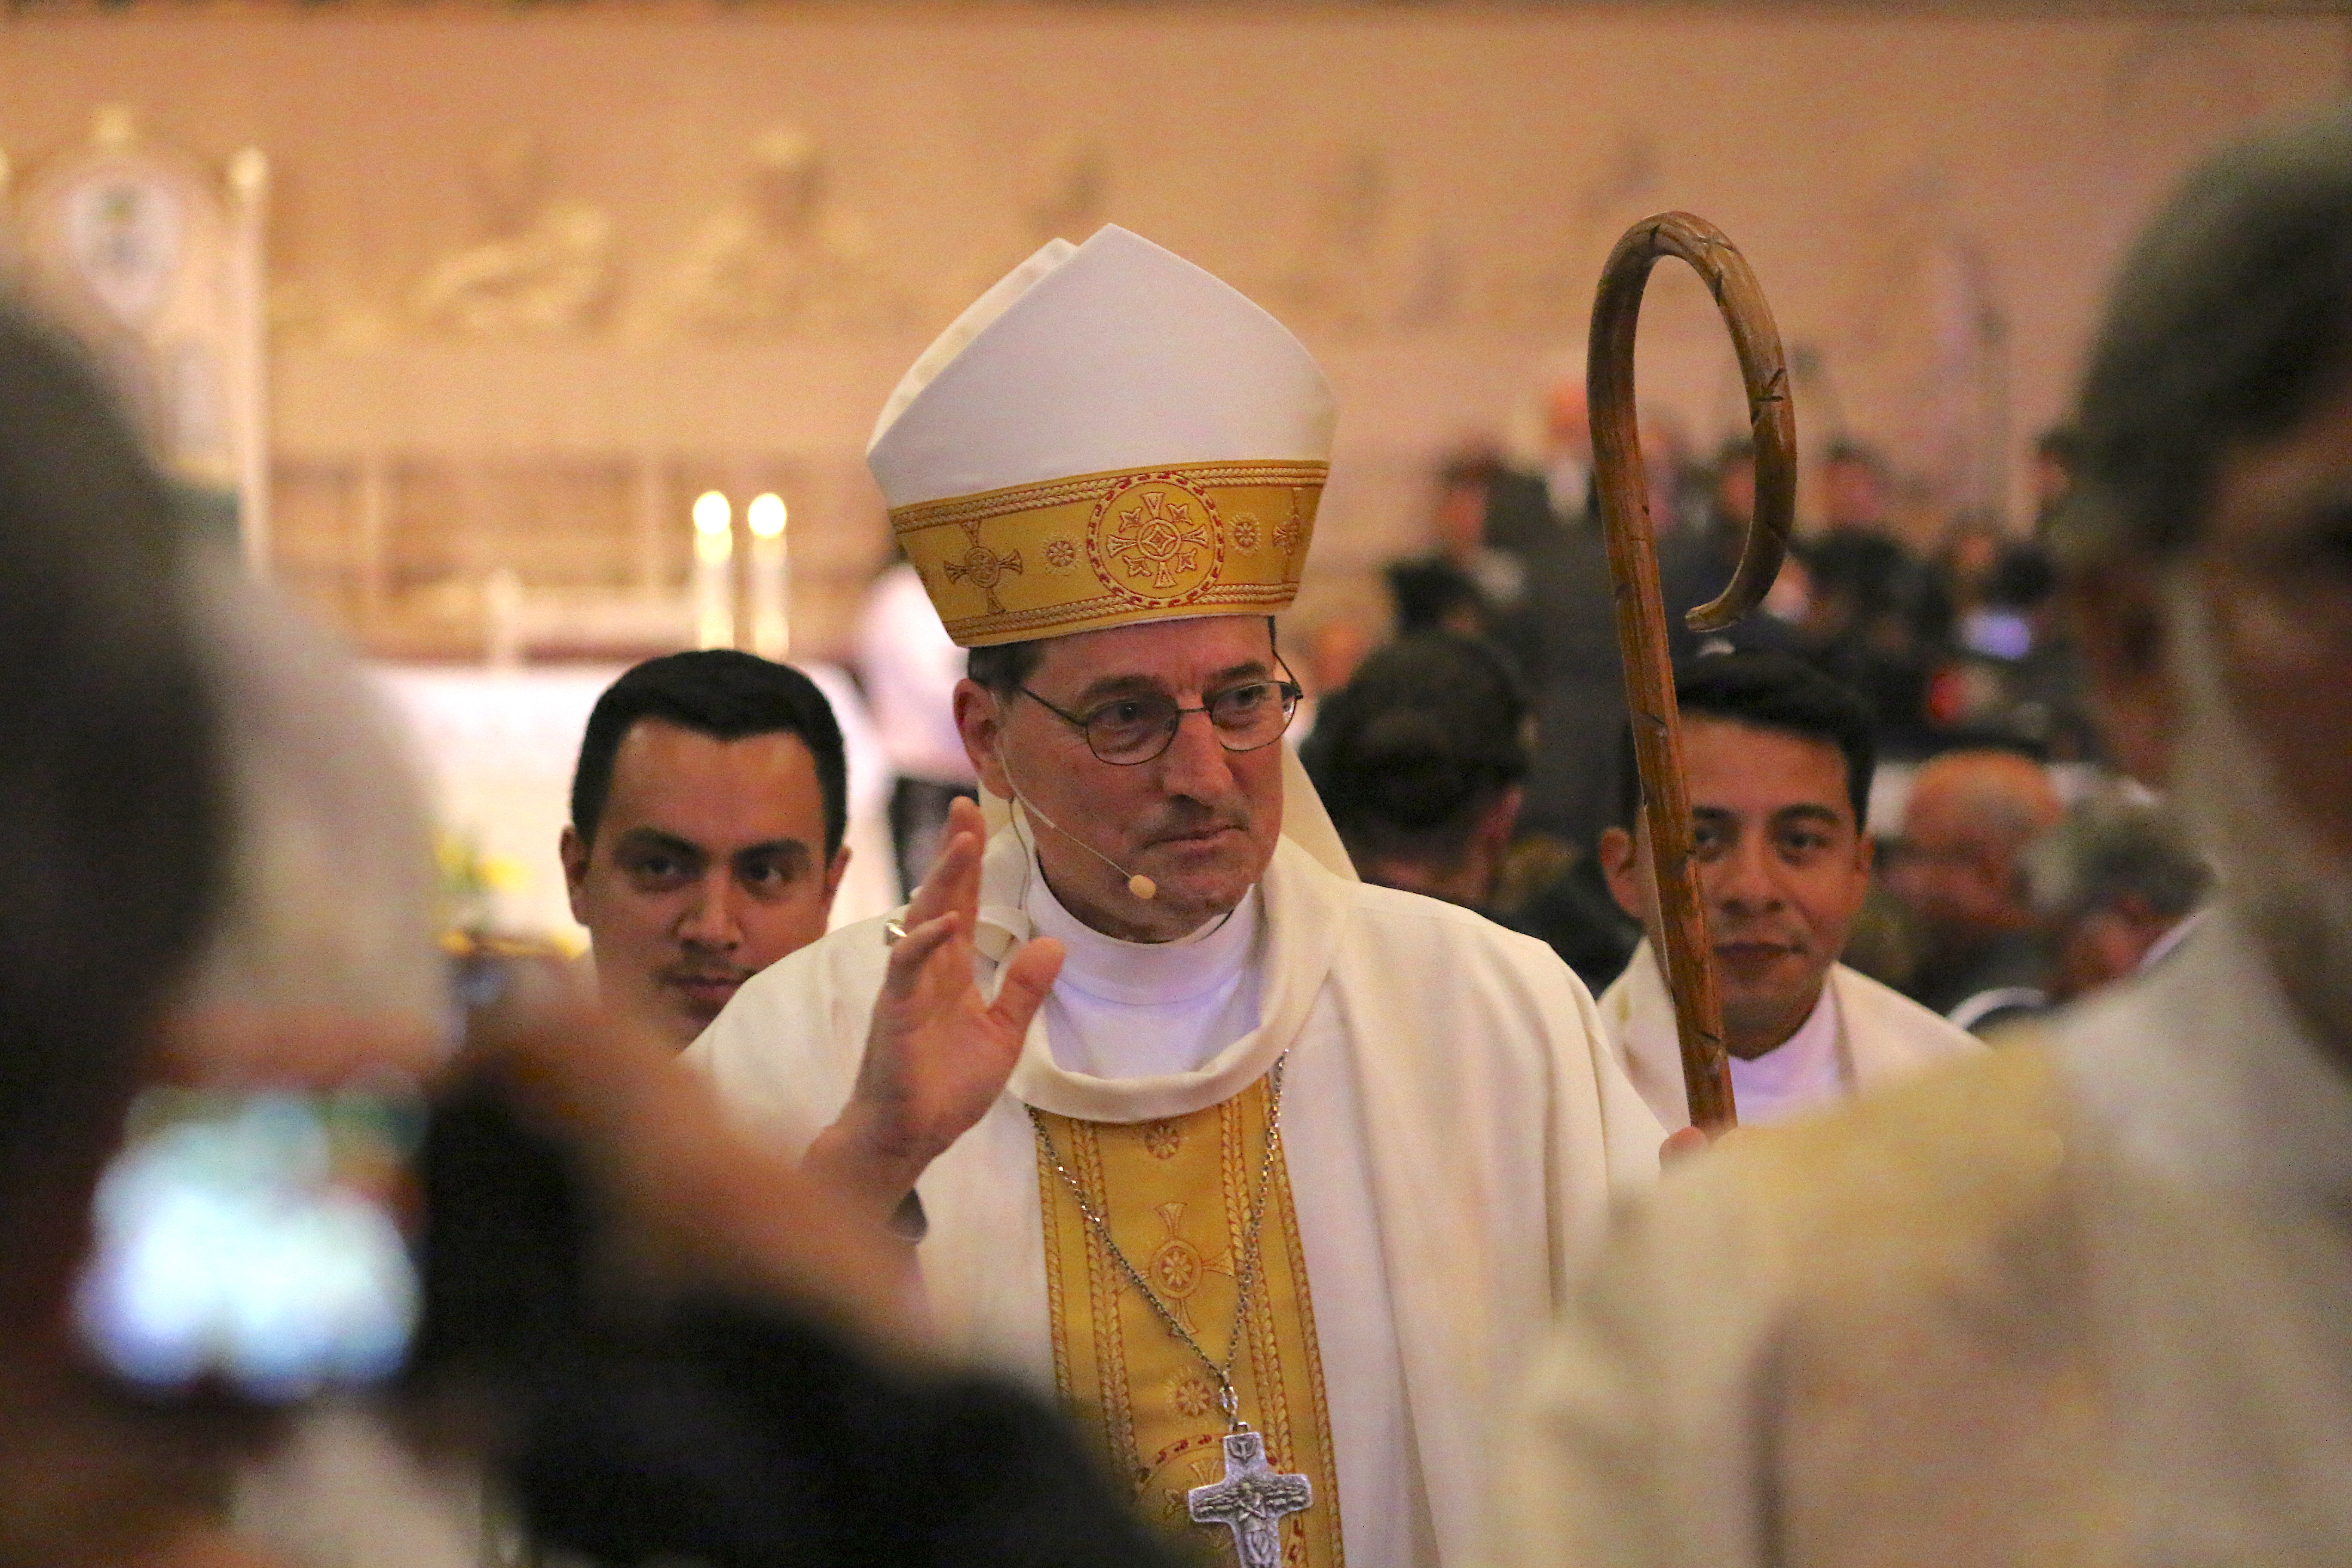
{"points": [[1130, 731]]}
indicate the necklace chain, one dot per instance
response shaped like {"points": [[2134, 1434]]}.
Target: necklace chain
{"points": [[1246, 1275]]}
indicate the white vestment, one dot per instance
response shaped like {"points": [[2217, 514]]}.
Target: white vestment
{"points": [[2084, 1299], [1861, 1034], [1452, 1120]]}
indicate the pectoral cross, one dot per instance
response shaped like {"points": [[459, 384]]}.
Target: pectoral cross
{"points": [[1251, 1500]]}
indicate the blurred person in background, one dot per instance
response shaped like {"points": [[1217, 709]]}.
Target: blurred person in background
{"points": [[2087, 1298], [708, 809], [1959, 868], [1695, 563], [2012, 677], [1330, 652], [909, 668], [2047, 700], [1875, 621], [1421, 761], [1466, 585], [1543, 509], [1857, 489], [2121, 887], [1964, 563], [1777, 760], [1545, 484], [2056, 452], [1418, 760]]}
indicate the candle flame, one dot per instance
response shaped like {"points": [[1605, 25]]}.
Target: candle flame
{"points": [[714, 540], [766, 515]]}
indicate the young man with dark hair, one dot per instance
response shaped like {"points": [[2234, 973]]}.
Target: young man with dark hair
{"points": [[1778, 759], [704, 842]]}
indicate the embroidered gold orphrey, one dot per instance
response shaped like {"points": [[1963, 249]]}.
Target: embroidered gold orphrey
{"points": [[1177, 1195]]}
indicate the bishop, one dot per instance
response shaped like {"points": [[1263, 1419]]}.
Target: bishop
{"points": [[1282, 1154]]}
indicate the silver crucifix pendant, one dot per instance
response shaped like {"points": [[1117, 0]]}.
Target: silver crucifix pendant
{"points": [[1251, 1500]]}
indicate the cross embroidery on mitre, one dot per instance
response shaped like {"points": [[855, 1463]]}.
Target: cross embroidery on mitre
{"points": [[982, 567]]}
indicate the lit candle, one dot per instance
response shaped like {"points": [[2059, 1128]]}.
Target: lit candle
{"points": [[771, 616], [714, 571]]}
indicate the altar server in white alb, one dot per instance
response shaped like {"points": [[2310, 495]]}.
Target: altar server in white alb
{"points": [[1289, 1168], [1778, 759]]}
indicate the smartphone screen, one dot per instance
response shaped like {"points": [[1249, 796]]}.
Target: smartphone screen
{"points": [[266, 1242]]}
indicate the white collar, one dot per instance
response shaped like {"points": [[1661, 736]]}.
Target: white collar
{"points": [[1142, 974], [1801, 1059], [1304, 913]]}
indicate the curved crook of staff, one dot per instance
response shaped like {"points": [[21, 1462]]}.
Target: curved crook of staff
{"points": [[1641, 611]]}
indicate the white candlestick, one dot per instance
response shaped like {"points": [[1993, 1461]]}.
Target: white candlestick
{"points": [[771, 616], [714, 571]]}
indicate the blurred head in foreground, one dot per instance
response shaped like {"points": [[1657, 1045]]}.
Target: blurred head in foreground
{"points": [[204, 811], [1418, 759], [2206, 540], [112, 822], [704, 842]]}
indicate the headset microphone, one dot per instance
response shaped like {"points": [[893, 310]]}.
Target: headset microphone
{"points": [[1139, 885]]}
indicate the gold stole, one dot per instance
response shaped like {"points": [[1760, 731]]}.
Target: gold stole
{"points": [[1176, 1194]]}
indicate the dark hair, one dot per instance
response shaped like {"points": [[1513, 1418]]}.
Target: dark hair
{"points": [[1406, 755], [1005, 668], [2061, 443], [1767, 691], [727, 696], [1857, 454], [2023, 576], [1430, 592], [1465, 469], [2230, 318], [112, 801]]}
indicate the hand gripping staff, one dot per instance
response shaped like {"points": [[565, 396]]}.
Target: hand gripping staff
{"points": [[1640, 612]]}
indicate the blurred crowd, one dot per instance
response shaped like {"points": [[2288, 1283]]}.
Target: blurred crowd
{"points": [[1504, 651]]}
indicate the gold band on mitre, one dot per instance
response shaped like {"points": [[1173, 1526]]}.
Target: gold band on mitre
{"points": [[1114, 549]]}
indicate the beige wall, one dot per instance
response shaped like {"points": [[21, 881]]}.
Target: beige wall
{"points": [[1425, 196]]}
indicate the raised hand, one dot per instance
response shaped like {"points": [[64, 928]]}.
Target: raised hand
{"points": [[938, 1052]]}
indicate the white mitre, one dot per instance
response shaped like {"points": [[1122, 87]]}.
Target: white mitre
{"points": [[1110, 436]]}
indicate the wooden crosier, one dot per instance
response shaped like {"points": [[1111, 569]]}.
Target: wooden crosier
{"points": [[1641, 611]]}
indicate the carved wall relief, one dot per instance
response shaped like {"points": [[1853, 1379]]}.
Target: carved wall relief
{"points": [[783, 258], [544, 266]]}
